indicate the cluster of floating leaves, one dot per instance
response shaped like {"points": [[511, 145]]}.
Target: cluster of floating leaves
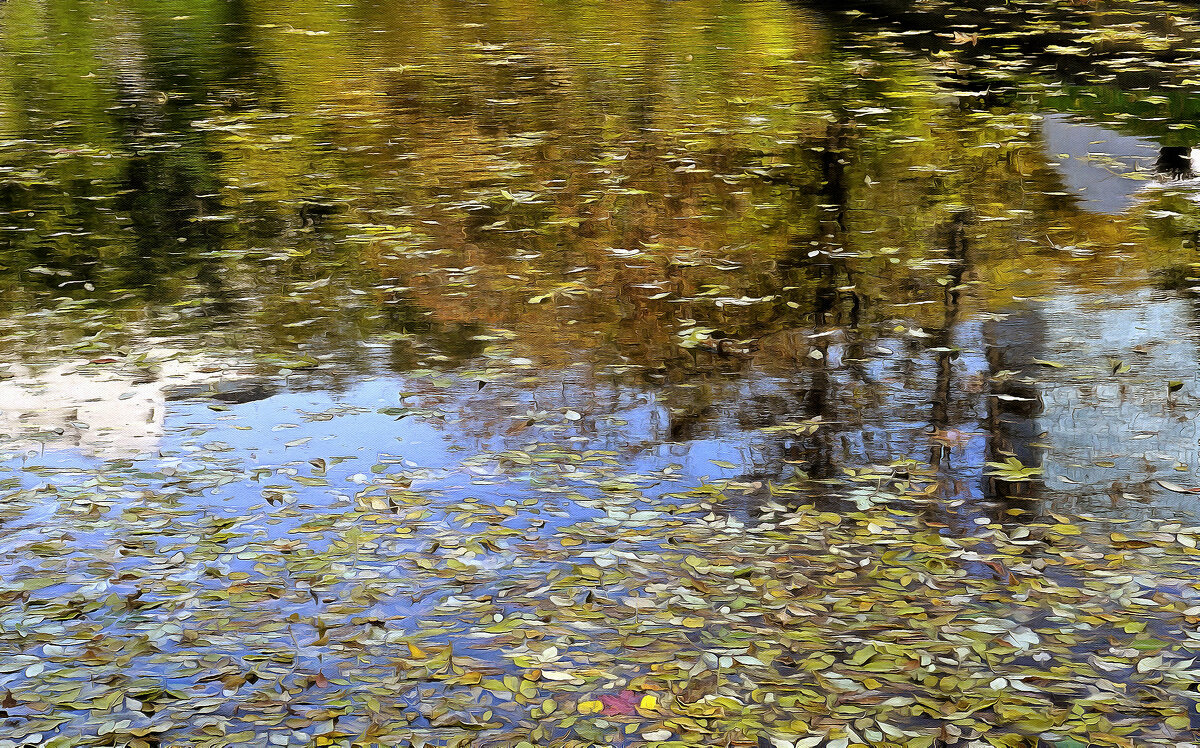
{"points": [[583, 610]]}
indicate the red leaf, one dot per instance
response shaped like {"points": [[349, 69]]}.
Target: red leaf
{"points": [[623, 703]]}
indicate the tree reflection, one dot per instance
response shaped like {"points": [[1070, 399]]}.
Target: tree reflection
{"points": [[469, 185]]}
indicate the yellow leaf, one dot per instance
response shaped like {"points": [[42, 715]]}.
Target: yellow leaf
{"points": [[416, 653], [649, 702], [590, 707]]}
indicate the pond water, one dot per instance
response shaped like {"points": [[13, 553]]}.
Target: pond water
{"points": [[265, 267], [457, 187]]}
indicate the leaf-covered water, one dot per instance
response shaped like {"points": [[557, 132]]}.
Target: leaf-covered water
{"points": [[636, 373]]}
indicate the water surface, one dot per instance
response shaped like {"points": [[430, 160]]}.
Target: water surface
{"points": [[260, 258]]}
